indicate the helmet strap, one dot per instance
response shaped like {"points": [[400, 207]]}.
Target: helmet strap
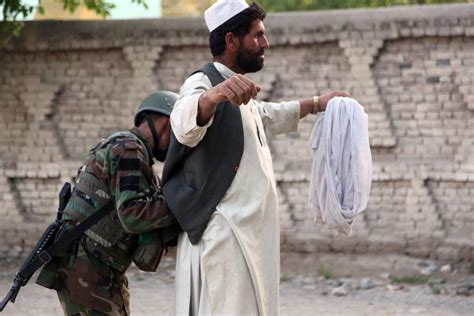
{"points": [[159, 154]]}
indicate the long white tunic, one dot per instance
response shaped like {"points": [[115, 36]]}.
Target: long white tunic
{"points": [[234, 269]]}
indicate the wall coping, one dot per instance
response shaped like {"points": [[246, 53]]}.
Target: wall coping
{"points": [[327, 24]]}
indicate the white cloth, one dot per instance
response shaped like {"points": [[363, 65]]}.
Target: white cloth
{"points": [[234, 269], [341, 174], [222, 11]]}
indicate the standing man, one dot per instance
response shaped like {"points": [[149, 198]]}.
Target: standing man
{"points": [[90, 276], [218, 177]]}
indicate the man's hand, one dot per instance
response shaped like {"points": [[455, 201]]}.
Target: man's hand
{"points": [[324, 99], [306, 105], [238, 89]]}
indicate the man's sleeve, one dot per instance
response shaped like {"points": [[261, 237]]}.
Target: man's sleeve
{"points": [[185, 111], [140, 206], [279, 118]]}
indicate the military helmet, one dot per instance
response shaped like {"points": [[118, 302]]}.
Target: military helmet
{"points": [[160, 102]]}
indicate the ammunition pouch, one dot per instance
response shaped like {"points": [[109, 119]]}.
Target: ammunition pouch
{"points": [[150, 248]]}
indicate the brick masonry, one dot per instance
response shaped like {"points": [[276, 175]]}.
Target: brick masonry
{"points": [[64, 85]]}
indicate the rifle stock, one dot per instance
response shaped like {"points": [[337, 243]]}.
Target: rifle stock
{"points": [[36, 258]]}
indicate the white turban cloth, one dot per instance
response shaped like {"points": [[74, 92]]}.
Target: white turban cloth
{"points": [[341, 174], [222, 11]]}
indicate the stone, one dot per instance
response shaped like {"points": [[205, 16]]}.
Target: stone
{"points": [[429, 270], [469, 282], [333, 283], [447, 268], [464, 290], [395, 287], [366, 284], [342, 290]]}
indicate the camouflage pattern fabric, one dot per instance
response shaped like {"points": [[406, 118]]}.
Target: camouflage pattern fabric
{"points": [[86, 284]]}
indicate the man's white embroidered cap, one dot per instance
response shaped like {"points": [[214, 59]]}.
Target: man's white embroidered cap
{"points": [[222, 11]]}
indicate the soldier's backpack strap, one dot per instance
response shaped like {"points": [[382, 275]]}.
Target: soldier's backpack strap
{"points": [[74, 234]]}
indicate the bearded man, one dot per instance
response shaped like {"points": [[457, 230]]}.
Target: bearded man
{"points": [[218, 177]]}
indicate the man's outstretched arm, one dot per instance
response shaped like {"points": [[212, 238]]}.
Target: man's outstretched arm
{"points": [[318, 104]]}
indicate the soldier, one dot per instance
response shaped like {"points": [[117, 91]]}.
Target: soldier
{"points": [[90, 277]]}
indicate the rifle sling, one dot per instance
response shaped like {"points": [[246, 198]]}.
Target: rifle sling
{"points": [[46, 255]]}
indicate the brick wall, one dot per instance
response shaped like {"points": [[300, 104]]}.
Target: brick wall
{"points": [[64, 85]]}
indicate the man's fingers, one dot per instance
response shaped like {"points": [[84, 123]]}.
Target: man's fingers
{"points": [[340, 94], [230, 95], [253, 87], [324, 99], [239, 89], [250, 87], [246, 87]]}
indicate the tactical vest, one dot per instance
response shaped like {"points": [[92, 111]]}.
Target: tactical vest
{"points": [[106, 240], [196, 179]]}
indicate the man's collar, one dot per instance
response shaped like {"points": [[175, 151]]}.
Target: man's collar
{"points": [[139, 134], [225, 71]]}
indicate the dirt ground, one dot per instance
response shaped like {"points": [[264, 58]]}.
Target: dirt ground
{"points": [[307, 286]]}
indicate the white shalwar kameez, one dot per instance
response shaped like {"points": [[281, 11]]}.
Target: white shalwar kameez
{"points": [[235, 267]]}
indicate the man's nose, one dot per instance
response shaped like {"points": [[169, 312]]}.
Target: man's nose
{"points": [[264, 42]]}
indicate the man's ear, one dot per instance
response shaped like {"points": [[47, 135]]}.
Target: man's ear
{"points": [[232, 42]]}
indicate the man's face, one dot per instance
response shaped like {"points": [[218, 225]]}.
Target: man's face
{"points": [[164, 128], [250, 56]]}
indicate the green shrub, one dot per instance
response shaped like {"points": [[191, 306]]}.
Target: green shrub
{"points": [[411, 279]]}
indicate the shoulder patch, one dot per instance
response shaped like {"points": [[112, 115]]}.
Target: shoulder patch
{"points": [[129, 164]]}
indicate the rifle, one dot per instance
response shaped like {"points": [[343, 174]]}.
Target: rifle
{"points": [[39, 255]]}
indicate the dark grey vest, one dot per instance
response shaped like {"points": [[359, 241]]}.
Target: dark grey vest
{"points": [[196, 179]]}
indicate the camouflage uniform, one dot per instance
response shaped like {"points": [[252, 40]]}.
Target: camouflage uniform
{"points": [[90, 277]]}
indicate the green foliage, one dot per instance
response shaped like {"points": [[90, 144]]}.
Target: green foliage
{"points": [[411, 279], [101, 7], [471, 268], [325, 272], [435, 290], [300, 5], [12, 10]]}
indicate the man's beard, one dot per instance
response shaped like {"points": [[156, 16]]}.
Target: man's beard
{"points": [[249, 62]]}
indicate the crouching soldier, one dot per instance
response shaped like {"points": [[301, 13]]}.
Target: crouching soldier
{"points": [[90, 276]]}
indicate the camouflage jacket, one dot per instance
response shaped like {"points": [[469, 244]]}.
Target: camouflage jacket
{"points": [[123, 163]]}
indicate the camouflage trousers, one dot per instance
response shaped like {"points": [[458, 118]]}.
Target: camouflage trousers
{"points": [[72, 308]]}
